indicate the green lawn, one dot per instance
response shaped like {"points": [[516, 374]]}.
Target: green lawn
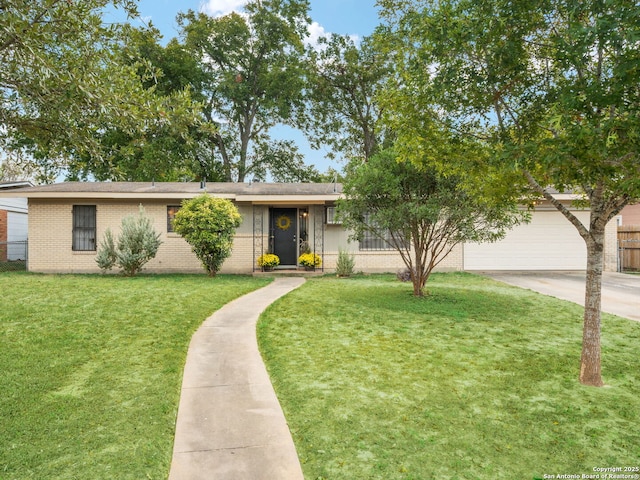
{"points": [[92, 367], [476, 381]]}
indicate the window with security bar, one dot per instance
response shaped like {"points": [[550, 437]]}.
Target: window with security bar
{"points": [[84, 228], [379, 240]]}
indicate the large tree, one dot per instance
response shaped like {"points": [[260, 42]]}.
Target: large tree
{"points": [[342, 83], [169, 148], [253, 68], [416, 211], [62, 80], [551, 85]]}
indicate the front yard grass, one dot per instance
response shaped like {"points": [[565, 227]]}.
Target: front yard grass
{"points": [[92, 367], [479, 380]]}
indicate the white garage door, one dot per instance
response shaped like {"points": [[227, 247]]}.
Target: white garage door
{"points": [[548, 242]]}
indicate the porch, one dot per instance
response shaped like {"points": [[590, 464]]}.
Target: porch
{"points": [[289, 272], [288, 231]]}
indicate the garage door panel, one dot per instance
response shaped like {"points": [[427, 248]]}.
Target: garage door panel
{"points": [[548, 242]]}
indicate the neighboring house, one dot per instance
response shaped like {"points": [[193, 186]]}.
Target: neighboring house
{"points": [[13, 223], [630, 215], [629, 237], [67, 222]]}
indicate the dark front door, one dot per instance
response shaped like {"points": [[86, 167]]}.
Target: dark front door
{"points": [[284, 225]]}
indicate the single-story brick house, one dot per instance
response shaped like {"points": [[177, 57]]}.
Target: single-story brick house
{"points": [[68, 220]]}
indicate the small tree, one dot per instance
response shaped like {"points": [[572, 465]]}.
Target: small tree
{"points": [[208, 225], [417, 212], [137, 244]]}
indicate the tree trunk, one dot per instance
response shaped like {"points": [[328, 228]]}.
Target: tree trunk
{"points": [[419, 277], [246, 131], [590, 361], [226, 161], [418, 290], [601, 214]]}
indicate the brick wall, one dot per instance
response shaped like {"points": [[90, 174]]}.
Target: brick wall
{"points": [[381, 261], [51, 251], [388, 260], [50, 239]]}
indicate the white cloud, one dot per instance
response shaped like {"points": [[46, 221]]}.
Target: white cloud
{"points": [[217, 8], [316, 31]]}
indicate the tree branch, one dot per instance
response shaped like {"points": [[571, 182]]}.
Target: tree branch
{"points": [[582, 230]]}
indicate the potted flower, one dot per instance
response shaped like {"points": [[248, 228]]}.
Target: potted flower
{"points": [[267, 261], [310, 261]]}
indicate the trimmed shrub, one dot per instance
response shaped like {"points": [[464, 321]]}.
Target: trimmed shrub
{"points": [[208, 224], [106, 256], [137, 244]]}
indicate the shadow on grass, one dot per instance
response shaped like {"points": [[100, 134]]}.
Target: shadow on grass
{"points": [[477, 380]]}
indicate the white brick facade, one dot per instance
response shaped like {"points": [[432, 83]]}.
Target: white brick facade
{"points": [[52, 252], [51, 232]]}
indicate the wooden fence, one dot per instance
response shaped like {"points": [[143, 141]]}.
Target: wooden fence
{"points": [[629, 247]]}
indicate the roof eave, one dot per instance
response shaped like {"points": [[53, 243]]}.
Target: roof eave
{"points": [[288, 199], [114, 195]]}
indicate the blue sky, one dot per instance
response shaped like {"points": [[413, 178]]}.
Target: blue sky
{"points": [[349, 17], [357, 18]]}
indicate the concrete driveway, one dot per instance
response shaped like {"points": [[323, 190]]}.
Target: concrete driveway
{"points": [[620, 291]]}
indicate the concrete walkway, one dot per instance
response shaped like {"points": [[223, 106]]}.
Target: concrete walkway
{"points": [[230, 425]]}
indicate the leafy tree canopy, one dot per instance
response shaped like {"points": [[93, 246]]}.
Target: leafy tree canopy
{"points": [[169, 147], [62, 80], [417, 211], [342, 83], [253, 77], [551, 86]]}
